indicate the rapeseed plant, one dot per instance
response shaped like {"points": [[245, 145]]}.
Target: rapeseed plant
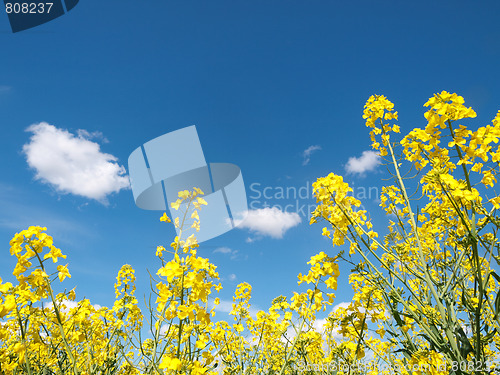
{"points": [[426, 296]]}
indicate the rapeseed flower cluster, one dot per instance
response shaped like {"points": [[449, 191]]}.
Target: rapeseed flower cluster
{"points": [[425, 293], [430, 287]]}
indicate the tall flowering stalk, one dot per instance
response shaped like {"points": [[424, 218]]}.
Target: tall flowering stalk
{"points": [[426, 295], [431, 284], [181, 321], [49, 333]]}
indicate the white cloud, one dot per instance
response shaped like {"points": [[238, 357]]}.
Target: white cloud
{"points": [[232, 277], [233, 254], [66, 306], [368, 161], [306, 154], [269, 221], [164, 329], [223, 306], [82, 133], [318, 326], [223, 250], [73, 164]]}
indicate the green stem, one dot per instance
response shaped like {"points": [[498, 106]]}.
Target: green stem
{"points": [[58, 316], [449, 334], [23, 338], [297, 334]]}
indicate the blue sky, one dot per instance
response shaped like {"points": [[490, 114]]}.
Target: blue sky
{"points": [[263, 81]]}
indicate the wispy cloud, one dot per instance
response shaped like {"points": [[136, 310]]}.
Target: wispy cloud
{"points": [[306, 154], [73, 163], [233, 254], [4, 89], [232, 277], [223, 250], [367, 162], [269, 221], [21, 210], [97, 135]]}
